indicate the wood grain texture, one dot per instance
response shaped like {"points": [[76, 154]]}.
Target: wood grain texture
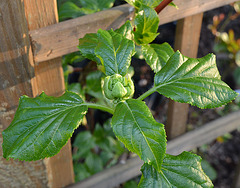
{"points": [[49, 78], [62, 38], [203, 135], [187, 40], [16, 79]]}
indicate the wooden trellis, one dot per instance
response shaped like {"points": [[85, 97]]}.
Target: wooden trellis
{"points": [[31, 46]]}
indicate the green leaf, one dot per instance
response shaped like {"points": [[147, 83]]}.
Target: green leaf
{"points": [[93, 84], [114, 51], [96, 5], [72, 58], [69, 10], [83, 142], [126, 30], [157, 55], [134, 125], [87, 46], [193, 81], [182, 171], [42, 126], [94, 163], [76, 88], [81, 172], [150, 3], [138, 3], [146, 25], [209, 170]]}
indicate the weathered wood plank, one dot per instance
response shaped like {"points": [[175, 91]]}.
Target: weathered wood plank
{"points": [[16, 79], [49, 78], [203, 135], [187, 39], [62, 38]]}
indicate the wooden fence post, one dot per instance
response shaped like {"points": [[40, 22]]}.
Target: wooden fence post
{"points": [[186, 40], [49, 78], [16, 79], [20, 76]]}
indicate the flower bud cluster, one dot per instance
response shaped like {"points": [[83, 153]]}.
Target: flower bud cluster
{"points": [[117, 87]]}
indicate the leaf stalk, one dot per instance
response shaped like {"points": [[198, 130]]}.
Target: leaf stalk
{"points": [[100, 107], [146, 94]]}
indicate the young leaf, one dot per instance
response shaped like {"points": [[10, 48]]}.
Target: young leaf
{"points": [[134, 125], [138, 3], [193, 81], [114, 51], [146, 25], [87, 46], [83, 142], [157, 55], [182, 171], [69, 10], [125, 30], [42, 126], [96, 5], [93, 83]]}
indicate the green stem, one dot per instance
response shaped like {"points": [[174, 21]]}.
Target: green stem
{"points": [[100, 107], [146, 94]]}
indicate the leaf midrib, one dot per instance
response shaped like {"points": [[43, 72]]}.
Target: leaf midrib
{"points": [[142, 134]]}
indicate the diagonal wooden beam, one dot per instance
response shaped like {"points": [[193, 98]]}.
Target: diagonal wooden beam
{"points": [[62, 38]]}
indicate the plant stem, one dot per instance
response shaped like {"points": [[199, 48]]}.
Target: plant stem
{"points": [[100, 107], [162, 5], [146, 94]]}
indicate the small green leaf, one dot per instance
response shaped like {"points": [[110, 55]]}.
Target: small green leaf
{"points": [[157, 55], [96, 5], [76, 88], [94, 163], [114, 51], [80, 172], [126, 30], [150, 3], [146, 25], [93, 84], [182, 171], [72, 58], [134, 125], [83, 142], [69, 10], [209, 170], [42, 126], [193, 81], [87, 46]]}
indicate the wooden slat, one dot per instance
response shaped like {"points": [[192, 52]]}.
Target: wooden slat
{"points": [[61, 39], [49, 78], [16, 79], [187, 39], [203, 135]]}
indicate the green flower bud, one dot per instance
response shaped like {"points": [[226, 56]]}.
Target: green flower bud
{"points": [[117, 88]]}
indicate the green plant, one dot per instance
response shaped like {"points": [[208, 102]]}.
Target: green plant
{"points": [[43, 125], [68, 9], [94, 152]]}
